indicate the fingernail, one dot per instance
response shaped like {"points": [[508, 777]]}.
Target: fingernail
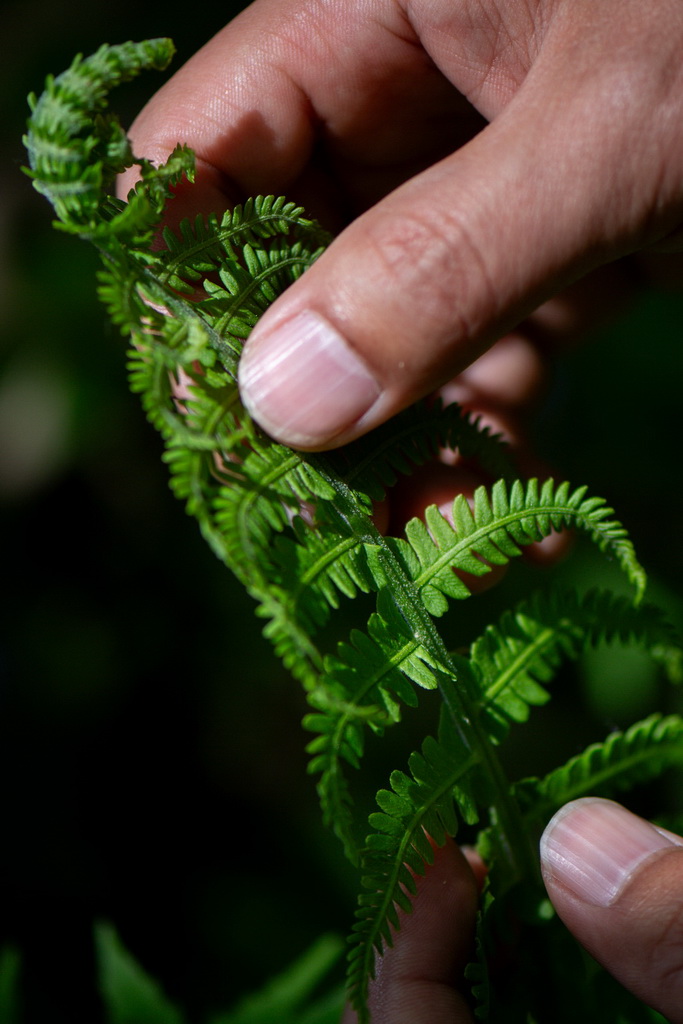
{"points": [[594, 847], [303, 383]]}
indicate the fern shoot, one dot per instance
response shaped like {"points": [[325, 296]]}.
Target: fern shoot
{"points": [[297, 530]]}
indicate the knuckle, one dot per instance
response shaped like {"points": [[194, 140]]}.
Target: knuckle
{"points": [[430, 259]]}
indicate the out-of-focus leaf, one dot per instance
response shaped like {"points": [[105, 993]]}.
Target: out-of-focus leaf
{"points": [[288, 998], [130, 996], [10, 1002]]}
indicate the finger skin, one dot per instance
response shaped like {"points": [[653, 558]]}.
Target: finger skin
{"points": [[416, 980], [636, 932], [310, 98], [639, 940]]}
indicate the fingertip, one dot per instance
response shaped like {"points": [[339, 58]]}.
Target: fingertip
{"points": [[617, 883], [303, 383], [593, 847], [417, 979]]}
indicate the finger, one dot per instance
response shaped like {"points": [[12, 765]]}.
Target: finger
{"points": [[509, 376], [617, 883], [415, 289], [416, 980], [321, 102]]}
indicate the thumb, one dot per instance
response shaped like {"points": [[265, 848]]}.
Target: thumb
{"points": [[421, 284], [617, 883]]}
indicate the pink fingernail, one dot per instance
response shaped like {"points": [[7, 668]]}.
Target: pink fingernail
{"points": [[594, 846], [303, 383]]}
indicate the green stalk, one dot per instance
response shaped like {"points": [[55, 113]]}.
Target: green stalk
{"points": [[515, 845]]}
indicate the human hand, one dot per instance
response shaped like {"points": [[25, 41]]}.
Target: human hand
{"points": [[616, 882], [457, 231]]}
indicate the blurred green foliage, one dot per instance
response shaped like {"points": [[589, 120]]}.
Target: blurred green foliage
{"points": [[130, 996], [152, 759]]}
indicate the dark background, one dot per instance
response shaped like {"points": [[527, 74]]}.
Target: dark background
{"points": [[152, 765]]}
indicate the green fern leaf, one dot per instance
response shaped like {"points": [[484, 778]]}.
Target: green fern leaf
{"points": [[246, 290], [202, 247], [297, 530], [317, 567], [496, 529], [414, 437], [270, 485], [364, 684], [640, 753], [513, 659], [74, 148], [419, 810]]}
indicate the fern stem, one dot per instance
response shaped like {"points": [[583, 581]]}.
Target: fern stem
{"points": [[515, 846]]}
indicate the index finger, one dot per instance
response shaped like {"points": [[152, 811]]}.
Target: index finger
{"points": [[285, 79], [417, 979]]}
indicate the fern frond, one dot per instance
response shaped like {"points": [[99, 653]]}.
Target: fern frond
{"points": [[364, 684], [640, 753], [75, 149], [419, 810], [496, 530], [414, 437], [318, 566], [271, 483], [339, 556], [201, 247], [146, 201], [244, 263], [118, 292], [238, 519], [514, 658], [246, 291], [508, 665]]}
